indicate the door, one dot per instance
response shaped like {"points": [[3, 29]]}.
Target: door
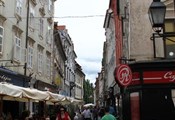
{"points": [[157, 104]]}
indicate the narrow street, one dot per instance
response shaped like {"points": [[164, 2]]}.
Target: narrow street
{"points": [[87, 60]]}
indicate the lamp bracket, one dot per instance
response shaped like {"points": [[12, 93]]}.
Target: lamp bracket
{"points": [[163, 35]]}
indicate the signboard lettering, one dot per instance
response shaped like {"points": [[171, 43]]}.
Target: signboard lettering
{"points": [[170, 75], [4, 78]]}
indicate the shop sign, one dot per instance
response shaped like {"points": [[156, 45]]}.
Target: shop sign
{"points": [[123, 75], [159, 77], [4, 78]]}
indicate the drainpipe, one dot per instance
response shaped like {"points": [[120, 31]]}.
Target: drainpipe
{"points": [[26, 45]]}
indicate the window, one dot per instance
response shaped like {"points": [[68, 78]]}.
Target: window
{"points": [[1, 38], [19, 7], [32, 17], [170, 41], [49, 35], [42, 2], [40, 59], [41, 26], [157, 104], [30, 54], [135, 106], [17, 50], [173, 96], [50, 5], [48, 61]]}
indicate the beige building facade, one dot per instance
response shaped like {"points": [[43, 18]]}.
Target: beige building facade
{"points": [[26, 37], [79, 80]]}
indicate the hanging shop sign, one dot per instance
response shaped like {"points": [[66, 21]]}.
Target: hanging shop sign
{"points": [[123, 75]]}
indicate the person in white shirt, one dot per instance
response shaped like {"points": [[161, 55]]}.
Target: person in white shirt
{"points": [[86, 114]]}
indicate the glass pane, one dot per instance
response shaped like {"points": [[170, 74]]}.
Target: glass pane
{"points": [[0, 40], [1, 31], [135, 106], [0, 48], [173, 96]]}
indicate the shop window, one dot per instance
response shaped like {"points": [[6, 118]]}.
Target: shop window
{"points": [[157, 104], [173, 95], [135, 106]]}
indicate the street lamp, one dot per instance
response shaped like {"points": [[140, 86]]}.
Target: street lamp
{"points": [[156, 14], [157, 11]]}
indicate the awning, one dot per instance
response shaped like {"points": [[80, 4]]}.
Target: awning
{"points": [[89, 105], [54, 98], [17, 93], [11, 92], [35, 94]]}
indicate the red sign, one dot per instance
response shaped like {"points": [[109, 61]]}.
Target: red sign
{"points": [[153, 77], [124, 75], [159, 77]]}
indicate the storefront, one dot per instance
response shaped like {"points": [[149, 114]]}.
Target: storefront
{"points": [[14, 78], [148, 92]]}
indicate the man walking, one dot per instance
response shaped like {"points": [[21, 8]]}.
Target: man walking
{"points": [[107, 115], [86, 114]]}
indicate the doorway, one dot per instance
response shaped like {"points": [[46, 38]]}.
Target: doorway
{"points": [[157, 104]]}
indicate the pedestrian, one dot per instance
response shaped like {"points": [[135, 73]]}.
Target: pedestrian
{"points": [[86, 114], [107, 115], [9, 116], [112, 110], [95, 113], [63, 114], [75, 116], [101, 113]]}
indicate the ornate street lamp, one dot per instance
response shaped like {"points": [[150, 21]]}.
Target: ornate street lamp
{"points": [[156, 13]]}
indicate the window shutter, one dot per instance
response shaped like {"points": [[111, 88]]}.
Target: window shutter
{"points": [[1, 38], [17, 49]]}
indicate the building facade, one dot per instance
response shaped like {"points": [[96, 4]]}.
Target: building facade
{"points": [[59, 60], [27, 37], [79, 80], [70, 66], [26, 44], [145, 55]]}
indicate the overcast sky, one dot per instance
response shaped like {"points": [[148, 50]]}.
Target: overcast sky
{"points": [[84, 20]]}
